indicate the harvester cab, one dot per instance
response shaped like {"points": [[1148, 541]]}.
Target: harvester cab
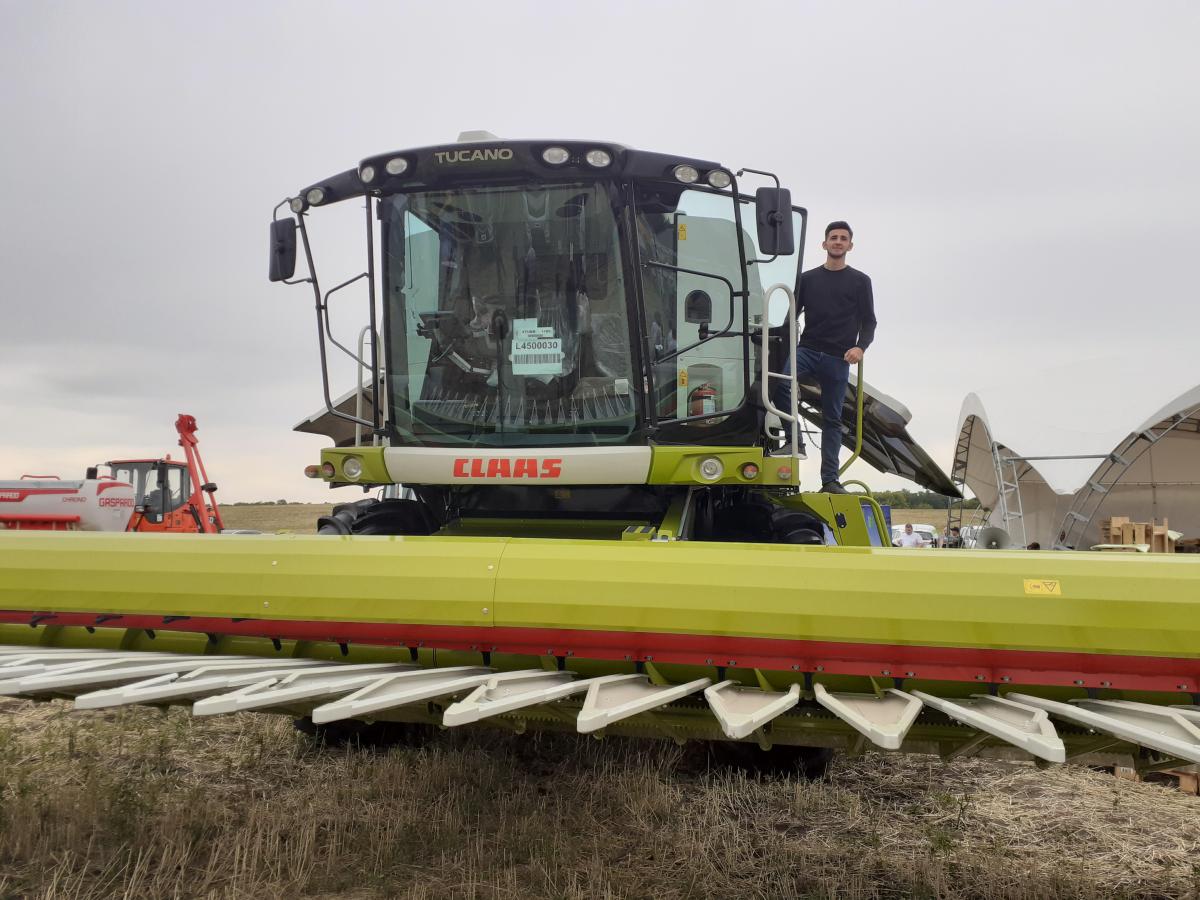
{"points": [[578, 333]]}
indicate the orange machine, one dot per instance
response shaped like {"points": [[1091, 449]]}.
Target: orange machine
{"points": [[171, 495]]}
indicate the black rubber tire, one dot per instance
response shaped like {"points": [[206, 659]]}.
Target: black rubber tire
{"points": [[378, 517], [809, 763], [789, 526], [746, 523], [341, 519]]}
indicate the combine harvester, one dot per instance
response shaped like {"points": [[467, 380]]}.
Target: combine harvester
{"points": [[570, 383]]}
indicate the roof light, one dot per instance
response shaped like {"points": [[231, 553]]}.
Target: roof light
{"points": [[556, 156], [719, 179], [687, 174], [711, 468], [296, 205], [315, 196], [352, 467], [367, 174], [599, 158], [396, 166]]}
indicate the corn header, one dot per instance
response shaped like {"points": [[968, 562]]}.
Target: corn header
{"points": [[576, 517]]}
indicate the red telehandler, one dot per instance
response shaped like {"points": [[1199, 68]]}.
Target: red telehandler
{"points": [[135, 495]]}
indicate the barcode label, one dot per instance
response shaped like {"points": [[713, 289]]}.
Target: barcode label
{"points": [[537, 356]]}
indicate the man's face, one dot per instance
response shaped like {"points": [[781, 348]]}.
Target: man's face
{"points": [[837, 243], [908, 529]]}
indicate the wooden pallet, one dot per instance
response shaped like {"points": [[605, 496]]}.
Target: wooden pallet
{"points": [[1186, 780]]}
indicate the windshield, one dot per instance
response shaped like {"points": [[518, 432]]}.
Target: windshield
{"points": [[147, 489], [688, 240], [507, 317]]}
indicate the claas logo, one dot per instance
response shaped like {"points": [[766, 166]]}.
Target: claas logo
{"points": [[505, 467]]}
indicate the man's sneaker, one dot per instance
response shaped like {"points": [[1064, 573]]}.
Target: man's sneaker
{"points": [[833, 487]]}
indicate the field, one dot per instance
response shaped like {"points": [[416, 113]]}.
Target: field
{"points": [[151, 804], [299, 518], [142, 804]]}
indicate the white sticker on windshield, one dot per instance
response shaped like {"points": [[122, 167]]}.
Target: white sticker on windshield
{"points": [[537, 355], [529, 328]]}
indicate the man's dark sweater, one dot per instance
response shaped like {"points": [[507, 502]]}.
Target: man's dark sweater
{"points": [[839, 310]]}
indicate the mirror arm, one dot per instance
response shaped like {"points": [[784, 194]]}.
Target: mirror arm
{"points": [[321, 335]]}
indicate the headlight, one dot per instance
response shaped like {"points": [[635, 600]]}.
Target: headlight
{"points": [[397, 166], [711, 468], [556, 156], [599, 158], [315, 196], [687, 174], [296, 205], [719, 178], [367, 174], [352, 467]]}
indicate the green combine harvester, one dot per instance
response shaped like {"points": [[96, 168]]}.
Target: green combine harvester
{"points": [[578, 521]]}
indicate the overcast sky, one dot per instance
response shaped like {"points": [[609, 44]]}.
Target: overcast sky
{"points": [[1023, 180]]}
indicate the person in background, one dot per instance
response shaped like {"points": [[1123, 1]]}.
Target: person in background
{"points": [[839, 325], [909, 538], [952, 538], [1034, 546]]}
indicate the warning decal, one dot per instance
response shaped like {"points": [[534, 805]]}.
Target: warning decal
{"points": [[1043, 586]]}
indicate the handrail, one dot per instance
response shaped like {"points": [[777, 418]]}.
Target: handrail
{"points": [[858, 431], [359, 392], [765, 370]]}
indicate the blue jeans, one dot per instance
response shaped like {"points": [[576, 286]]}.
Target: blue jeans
{"points": [[832, 374]]}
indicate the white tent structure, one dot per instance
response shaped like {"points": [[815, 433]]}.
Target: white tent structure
{"points": [[1070, 474]]}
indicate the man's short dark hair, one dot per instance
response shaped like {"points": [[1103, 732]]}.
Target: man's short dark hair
{"points": [[839, 224]]}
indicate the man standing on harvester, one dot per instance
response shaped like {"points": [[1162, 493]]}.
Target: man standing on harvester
{"points": [[839, 325]]}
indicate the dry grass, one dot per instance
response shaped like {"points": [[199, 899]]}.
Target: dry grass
{"points": [[298, 518], [140, 804]]}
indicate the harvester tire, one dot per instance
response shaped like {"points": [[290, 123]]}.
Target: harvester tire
{"points": [[809, 763], [789, 526], [378, 517], [760, 522]]}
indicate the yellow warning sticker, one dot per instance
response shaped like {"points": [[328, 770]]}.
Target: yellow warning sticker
{"points": [[683, 377], [683, 231], [1043, 586]]}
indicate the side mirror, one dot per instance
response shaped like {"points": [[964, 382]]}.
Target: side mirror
{"points": [[283, 249], [774, 215], [697, 308]]}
